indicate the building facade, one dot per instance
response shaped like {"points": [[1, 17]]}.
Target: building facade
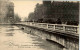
{"points": [[6, 11], [10, 14], [66, 11]]}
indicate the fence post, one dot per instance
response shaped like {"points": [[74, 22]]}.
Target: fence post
{"points": [[54, 27], [63, 28], [77, 31], [47, 26]]}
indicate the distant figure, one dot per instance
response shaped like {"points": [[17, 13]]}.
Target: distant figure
{"points": [[58, 21], [22, 28]]}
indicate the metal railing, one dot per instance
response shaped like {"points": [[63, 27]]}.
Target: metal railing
{"points": [[54, 27]]}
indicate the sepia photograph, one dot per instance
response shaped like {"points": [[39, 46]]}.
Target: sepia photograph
{"points": [[39, 24]]}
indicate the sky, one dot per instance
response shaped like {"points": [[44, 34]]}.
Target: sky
{"points": [[23, 8]]}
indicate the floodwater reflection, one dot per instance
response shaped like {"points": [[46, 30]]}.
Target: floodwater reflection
{"points": [[13, 38]]}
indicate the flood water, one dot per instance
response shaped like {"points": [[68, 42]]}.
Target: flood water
{"points": [[13, 38]]}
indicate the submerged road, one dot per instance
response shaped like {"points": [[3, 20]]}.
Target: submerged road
{"points": [[13, 38]]}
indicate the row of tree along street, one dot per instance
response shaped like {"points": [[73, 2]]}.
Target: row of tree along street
{"points": [[17, 18], [59, 12]]}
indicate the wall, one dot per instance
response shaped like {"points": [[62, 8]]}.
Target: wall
{"points": [[63, 42]]}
